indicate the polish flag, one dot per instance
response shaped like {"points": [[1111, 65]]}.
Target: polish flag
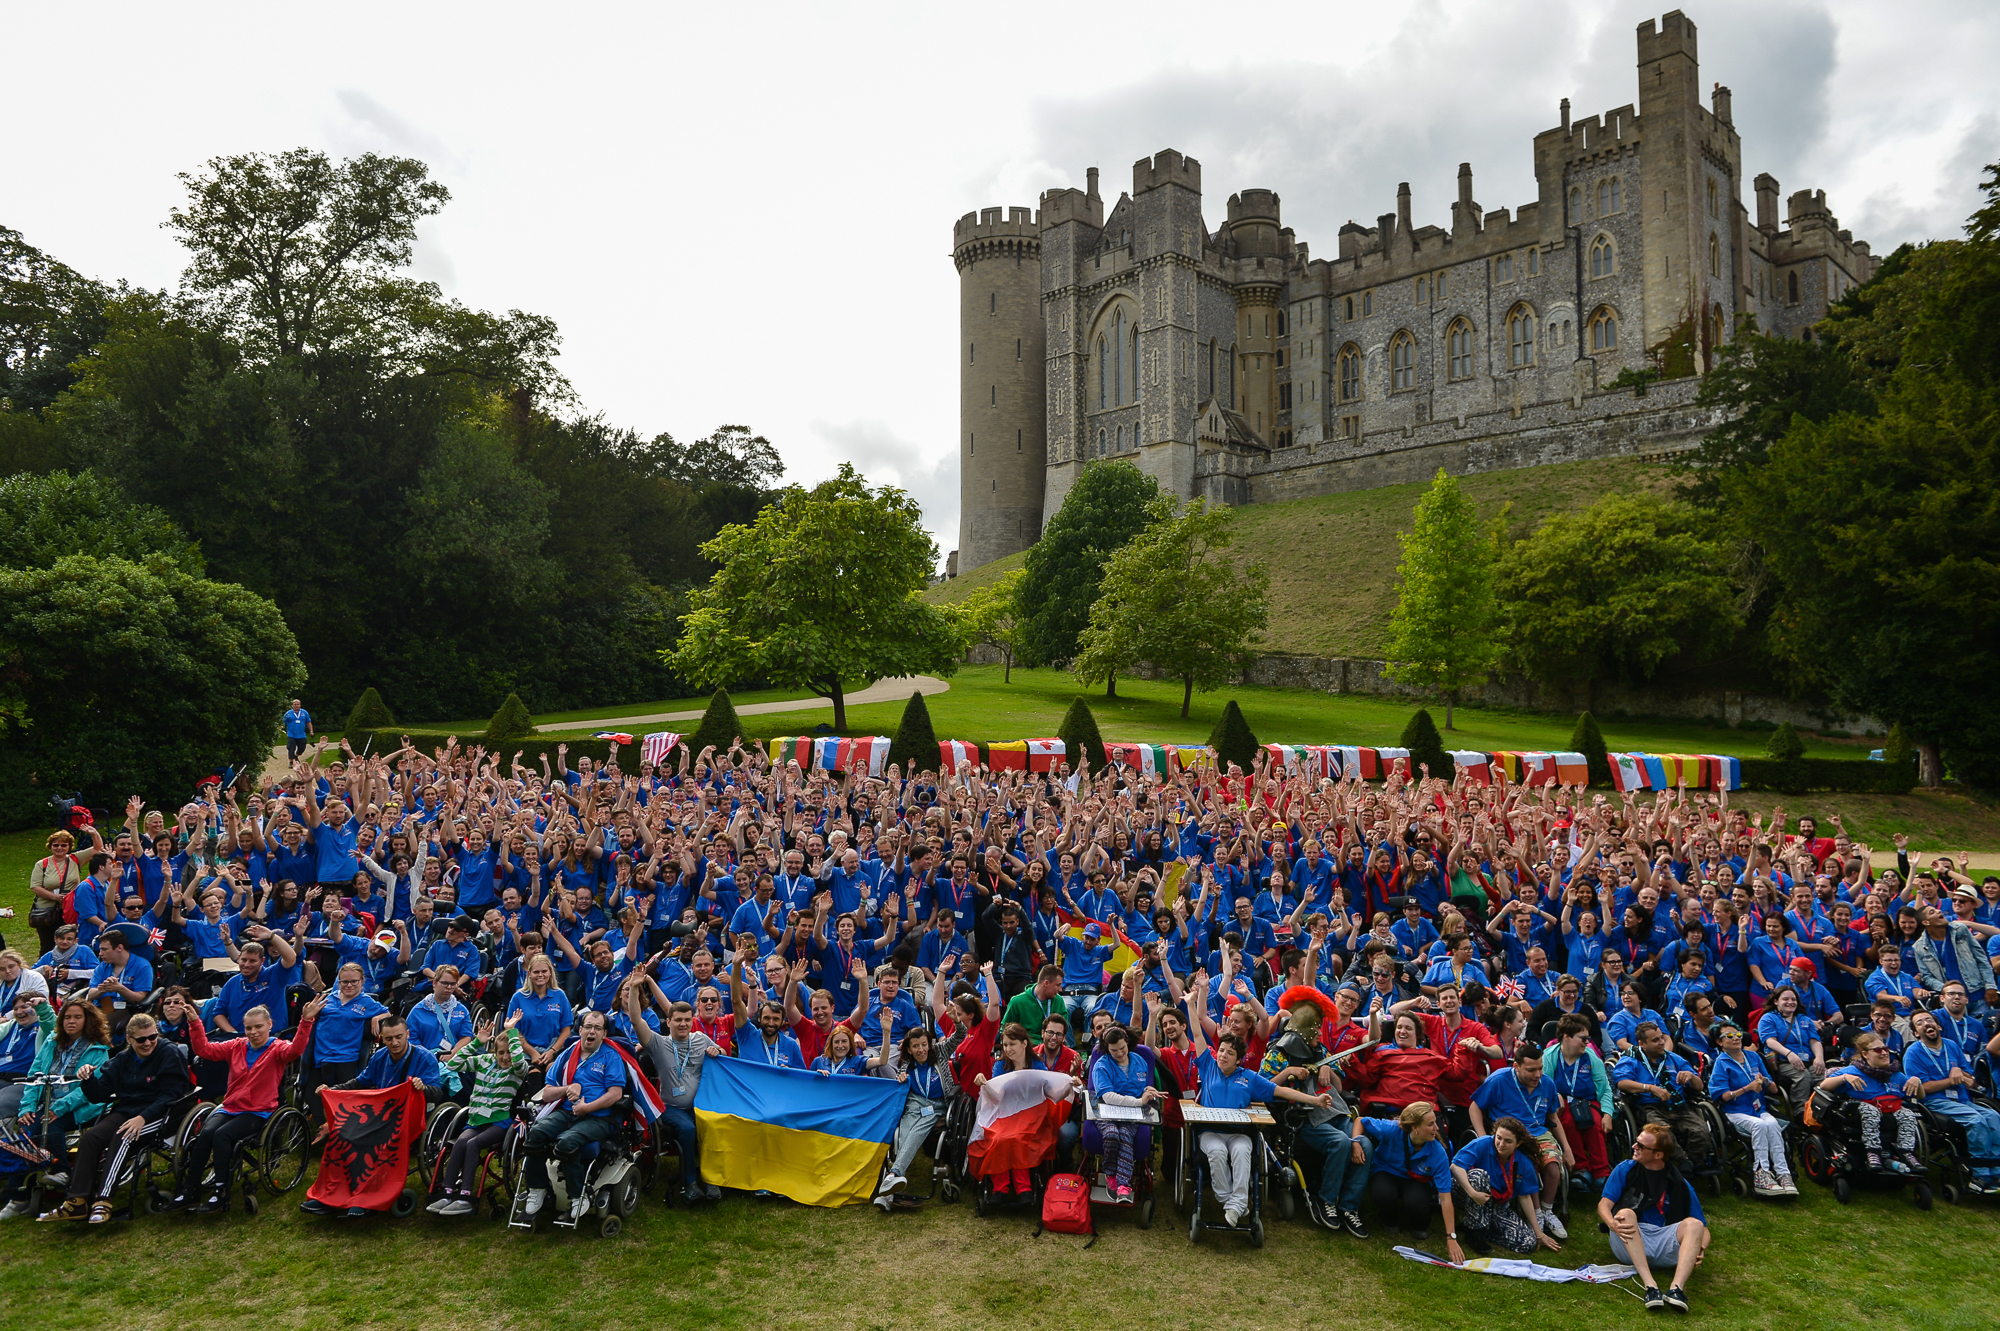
{"points": [[1019, 1116]]}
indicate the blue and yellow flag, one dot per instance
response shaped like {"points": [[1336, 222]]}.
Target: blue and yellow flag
{"points": [[818, 1140]]}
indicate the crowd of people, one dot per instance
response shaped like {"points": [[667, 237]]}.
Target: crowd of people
{"points": [[1482, 962]]}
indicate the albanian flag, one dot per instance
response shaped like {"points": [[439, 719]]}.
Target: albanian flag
{"points": [[368, 1141]]}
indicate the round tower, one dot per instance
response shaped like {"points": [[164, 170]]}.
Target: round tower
{"points": [[1002, 448]]}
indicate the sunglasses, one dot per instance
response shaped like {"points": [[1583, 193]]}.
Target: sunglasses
{"points": [[141, 1039]]}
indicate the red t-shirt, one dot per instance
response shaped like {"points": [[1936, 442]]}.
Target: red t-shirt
{"points": [[974, 1055], [722, 1030]]}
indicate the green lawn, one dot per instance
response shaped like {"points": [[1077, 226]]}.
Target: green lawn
{"points": [[623, 709]]}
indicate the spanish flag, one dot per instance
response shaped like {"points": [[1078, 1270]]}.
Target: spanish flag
{"points": [[816, 1139], [1124, 952]]}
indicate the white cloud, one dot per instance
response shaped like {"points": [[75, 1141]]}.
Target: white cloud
{"points": [[886, 459]]}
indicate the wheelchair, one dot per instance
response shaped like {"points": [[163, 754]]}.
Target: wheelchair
{"points": [[945, 1147], [276, 1162], [152, 1162], [1949, 1155], [1715, 1166], [1826, 1133], [614, 1171], [496, 1177], [1091, 1146], [1200, 1182]]}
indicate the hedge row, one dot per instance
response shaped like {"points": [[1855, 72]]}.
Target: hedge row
{"points": [[1796, 776]]}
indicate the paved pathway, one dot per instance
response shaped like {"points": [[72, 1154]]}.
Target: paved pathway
{"points": [[886, 690]]}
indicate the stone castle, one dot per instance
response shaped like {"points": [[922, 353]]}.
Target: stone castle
{"points": [[1229, 364]]}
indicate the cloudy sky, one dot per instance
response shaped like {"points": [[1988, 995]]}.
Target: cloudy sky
{"points": [[744, 215]]}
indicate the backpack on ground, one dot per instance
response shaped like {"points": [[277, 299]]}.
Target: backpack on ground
{"points": [[1066, 1207]]}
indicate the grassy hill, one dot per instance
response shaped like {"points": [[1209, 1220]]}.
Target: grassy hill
{"points": [[1333, 558]]}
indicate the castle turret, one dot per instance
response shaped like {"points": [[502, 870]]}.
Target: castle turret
{"points": [[1002, 450]]}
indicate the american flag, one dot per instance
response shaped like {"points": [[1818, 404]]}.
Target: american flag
{"points": [[654, 750]]}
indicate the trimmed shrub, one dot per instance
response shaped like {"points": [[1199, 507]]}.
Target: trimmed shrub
{"points": [[1426, 747], [1079, 735], [718, 726], [1232, 739], [370, 713], [1785, 744], [1588, 740], [915, 747], [510, 723], [1853, 776]]}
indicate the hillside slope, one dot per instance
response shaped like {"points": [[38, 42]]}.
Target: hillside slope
{"points": [[1333, 558]]}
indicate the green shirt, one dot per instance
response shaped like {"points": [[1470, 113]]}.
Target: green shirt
{"points": [[493, 1086], [1031, 1012]]}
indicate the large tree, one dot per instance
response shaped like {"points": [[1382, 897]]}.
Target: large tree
{"points": [[1441, 631], [991, 616], [820, 593], [1106, 507], [1172, 597], [134, 677]]}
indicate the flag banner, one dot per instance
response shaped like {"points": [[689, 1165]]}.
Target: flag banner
{"points": [[1728, 772], [1523, 1269], [1540, 769], [638, 1083], [1477, 766], [655, 747], [1627, 772], [1656, 771], [865, 753], [1019, 1116], [1385, 762], [1355, 762], [1572, 769], [1170, 885], [1011, 756], [1043, 753], [1124, 952], [792, 749], [368, 1141], [616, 736], [818, 1140], [957, 754]]}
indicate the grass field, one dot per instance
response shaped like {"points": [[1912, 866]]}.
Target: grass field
{"points": [[774, 1266], [1333, 558]]}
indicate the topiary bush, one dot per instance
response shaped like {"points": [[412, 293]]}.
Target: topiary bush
{"points": [[1588, 740], [1426, 747], [1785, 744], [915, 746], [1232, 739], [510, 723], [370, 713], [1079, 735], [718, 726]]}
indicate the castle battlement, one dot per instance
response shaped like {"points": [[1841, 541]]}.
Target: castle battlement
{"points": [[1232, 364]]}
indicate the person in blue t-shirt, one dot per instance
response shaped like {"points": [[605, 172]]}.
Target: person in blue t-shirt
{"points": [[1946, 1074], [1884, 1096], [1738, 1083], [581, 1113], [1524, 1094], [121, 981], [255, 984], [1659, 1080], [1408, 1166], [1655, 1217], [1500, 1186], [1621, 1026], [1227, 1084], [298, 729]]}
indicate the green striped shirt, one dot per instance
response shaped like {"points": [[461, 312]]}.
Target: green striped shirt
{"points": [[493, 1086]]}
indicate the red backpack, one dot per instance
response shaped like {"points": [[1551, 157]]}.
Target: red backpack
{"points": [[1066, 1207]]}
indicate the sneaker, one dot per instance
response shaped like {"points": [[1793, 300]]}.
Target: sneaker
{"points": [[1552, 1225], [216, 1202], [692, 1194], [1655, 1300], [1677, 1299], [1874, 1159], [893, 1181], [437, 1207], [14, 1210], [1326, 1217], [1763, 1182], [457, 1206], [58, 1179], [178, 1202], [313, 1206], [1232, 1217], [537, 1199], [1352, 1221], [1786, 1186], [885, 1200], [1125, 1197], [356, 1213], [100, 1212], [1911, 1165], [714, 1193], [71, 1208], [579, 1208]]}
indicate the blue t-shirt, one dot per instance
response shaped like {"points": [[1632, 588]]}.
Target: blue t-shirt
{"points": [[752, 1048], [1399, 1157], [1082, 963], [1795, 1033], [597, 1073], [298, 722], [238, 997], [1502, 1095], [334, 860], [1614, 1187], [1236, 1091], [1506, 1182], [1730, 1074], [1624, 1025], [541, 1017], [338, 1029]]}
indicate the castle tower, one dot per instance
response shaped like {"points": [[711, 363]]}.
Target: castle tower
{"points": [[1259, 272], [1002, 451], [1168, 236]]}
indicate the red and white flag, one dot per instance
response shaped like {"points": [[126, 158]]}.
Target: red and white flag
{"points": [[1042, 754], [1018, 1119], [957, 754], [656, 745]]}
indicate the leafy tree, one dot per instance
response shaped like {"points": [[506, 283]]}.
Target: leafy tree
{"points": [[1232, 739], [1588, 740], [1441, 631], [50, 318], [1081, 740], [1170, 596], [1106, 507], [1785, 744], [1881, 529], [719, 727], [135, 677], [915, 746], [43, 518], [1614, 590], [1426, 746], [990, 616], [371, 713], [821, 593], [1762, 382], [511, 722]]}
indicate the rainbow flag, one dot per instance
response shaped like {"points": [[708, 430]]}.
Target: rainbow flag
{"points": [[818, 1140]]}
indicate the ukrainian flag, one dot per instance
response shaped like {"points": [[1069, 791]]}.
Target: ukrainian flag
{"points": [[818, 1140]]}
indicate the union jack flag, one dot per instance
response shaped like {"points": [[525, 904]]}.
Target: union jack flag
{"points": [[1507, 988]]}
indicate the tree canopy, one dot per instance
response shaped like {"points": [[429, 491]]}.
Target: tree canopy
{"points": [[820, 593], [1106, 507], [1441, 631]]}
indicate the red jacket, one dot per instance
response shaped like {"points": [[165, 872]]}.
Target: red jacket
{"points": [[1402, 1077], [253, 1088], [1464, 1076]]}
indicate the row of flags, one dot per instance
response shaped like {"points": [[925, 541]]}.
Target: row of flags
{"points": [[1665, 771]]}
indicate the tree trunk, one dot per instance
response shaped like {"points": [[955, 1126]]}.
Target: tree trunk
{"points": [[1111, 685], [839, 696], [1930, 768], [1007, 667], [1448, 700], [1187, 694]]}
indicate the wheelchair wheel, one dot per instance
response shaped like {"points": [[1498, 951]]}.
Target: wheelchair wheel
{"points": [[1257, 1232], [1843, 1191], [405, 1204], [625, 1196], [189, 1128], [609, 1226], [249, 1202], [1146, 1212], [1949, 1193], [1923, 1197], [287, 1148]]}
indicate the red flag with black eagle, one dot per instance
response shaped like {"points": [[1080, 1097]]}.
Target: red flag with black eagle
{"points": [[366, 1159]]}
